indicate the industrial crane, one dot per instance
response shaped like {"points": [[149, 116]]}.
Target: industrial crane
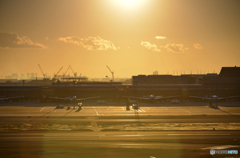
{"points": [[58, 72], [65, 72], [75, 74], [111, 72], [42, 71]]}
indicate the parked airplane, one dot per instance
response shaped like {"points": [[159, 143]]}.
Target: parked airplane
{"points": [[2, 99], [74, 98], [135, 107], [101, 102], [175, 101], [213, 99], [152, 98]]}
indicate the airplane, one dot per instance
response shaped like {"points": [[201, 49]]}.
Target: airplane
{"points": [[2, 99], [101, 102], [175, 101], [135, 107], [74, 98], [152, 98], [213, 99]]}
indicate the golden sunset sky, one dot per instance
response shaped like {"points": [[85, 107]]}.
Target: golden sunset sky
{"points": [[130, 36]]}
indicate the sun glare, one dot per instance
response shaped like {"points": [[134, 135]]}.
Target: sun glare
{"points": [[130, 3]]}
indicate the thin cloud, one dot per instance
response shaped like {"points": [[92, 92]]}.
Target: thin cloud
{"points": [[12, 40], [175, 48], [152, 47], [160, 37], [90, 43], [197, 46]]}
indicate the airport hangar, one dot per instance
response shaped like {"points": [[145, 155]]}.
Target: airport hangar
{"points": [[225, 84]]}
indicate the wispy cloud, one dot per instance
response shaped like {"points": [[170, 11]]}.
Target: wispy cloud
{"points": [[12, 40], [152, 47], [160, 37], [197, 46], [90, 43], [175, 48]]}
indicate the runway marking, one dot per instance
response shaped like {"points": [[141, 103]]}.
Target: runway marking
{"points": [[143, 110], [96, 112], [42, 109], [122, 108], [199, 134], [95, 126]]}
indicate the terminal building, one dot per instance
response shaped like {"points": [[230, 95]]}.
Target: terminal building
{"points": [[168, 79], [227, 76], [226, 83]]}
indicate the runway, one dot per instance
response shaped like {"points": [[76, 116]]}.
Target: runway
{"points": [[118, 144], [112, 131], [114, 109]]}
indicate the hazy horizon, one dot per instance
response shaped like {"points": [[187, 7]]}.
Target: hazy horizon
{"points": [[130, 36]]}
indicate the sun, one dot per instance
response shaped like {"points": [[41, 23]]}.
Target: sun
{"points": [[130, 3]]}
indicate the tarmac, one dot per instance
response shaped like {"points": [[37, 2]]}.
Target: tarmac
{"points": [[109, 130]]}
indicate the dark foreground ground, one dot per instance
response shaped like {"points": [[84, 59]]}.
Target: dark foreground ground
{"points": [[109, 131]]}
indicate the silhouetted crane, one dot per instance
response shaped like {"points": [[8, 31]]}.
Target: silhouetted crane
{"points": [[111, 72], [75, 74], [58, 72], [42, 71], [65, 72]]}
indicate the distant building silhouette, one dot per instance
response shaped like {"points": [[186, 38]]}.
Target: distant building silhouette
{"points": [[22, 76], [230, 72], [155, 72], [8, 77], [227, 76], [28, 76], [14, 76], [32, 76]]}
